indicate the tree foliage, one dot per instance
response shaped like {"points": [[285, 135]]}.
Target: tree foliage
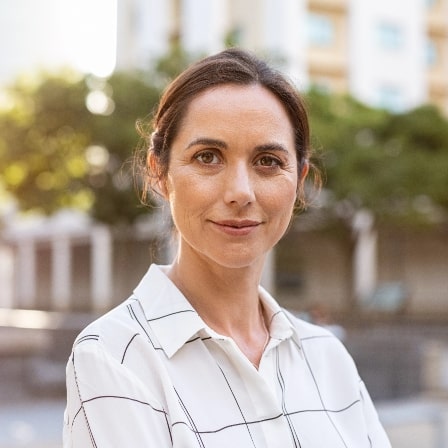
{"points": [[395, 165], [42, 140], [69, 143], [54, 153]]}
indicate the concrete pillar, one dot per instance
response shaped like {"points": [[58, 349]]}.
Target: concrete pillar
{"points": [[61, 280], [365, 255], [26, 274], [101, 268], [6, 277]]}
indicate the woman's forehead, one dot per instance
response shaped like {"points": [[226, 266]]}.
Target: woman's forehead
{"points": [[252, 98]]}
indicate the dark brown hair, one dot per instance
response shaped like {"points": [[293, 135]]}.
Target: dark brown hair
{"points": [[232, 66]]}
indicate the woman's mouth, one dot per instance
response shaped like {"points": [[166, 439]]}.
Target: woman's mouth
{"points": [[237, 227]]}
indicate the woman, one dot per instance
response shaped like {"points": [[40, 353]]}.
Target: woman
{"points": [[200, 355]]}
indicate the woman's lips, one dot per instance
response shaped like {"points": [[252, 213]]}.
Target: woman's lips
{"points": [[237, 227]]}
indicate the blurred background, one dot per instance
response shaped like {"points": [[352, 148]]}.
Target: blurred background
{"points": [[369, 259]]}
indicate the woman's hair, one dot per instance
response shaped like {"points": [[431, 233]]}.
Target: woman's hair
{"points": [[232, 66]]}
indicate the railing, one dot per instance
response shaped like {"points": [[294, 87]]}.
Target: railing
{"points": [[82, 268]]}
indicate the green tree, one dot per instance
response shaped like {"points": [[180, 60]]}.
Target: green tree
{"points": [[115, 197], [54, 153], [69, 143], [395, 165], [420, 139], [42, 140]]}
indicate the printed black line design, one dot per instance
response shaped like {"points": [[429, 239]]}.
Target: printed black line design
{"points": [[127, 346], [281, 381]]}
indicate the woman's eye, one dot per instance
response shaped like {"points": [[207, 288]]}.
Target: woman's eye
{"points": [[207, 157], [268, 161]]}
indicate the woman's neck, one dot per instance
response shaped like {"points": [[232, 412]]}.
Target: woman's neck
{"points": [[227, 300], [216, 290]]}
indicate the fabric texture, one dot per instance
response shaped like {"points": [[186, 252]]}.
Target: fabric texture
{"points": [[151, 373]]}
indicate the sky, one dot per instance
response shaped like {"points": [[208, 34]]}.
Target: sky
{"points": [[48, 34]]}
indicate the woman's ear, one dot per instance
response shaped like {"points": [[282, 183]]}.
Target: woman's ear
{"points": [[305, 170], [158, 182]]}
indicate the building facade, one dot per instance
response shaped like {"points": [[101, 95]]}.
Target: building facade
{"points": [[387, 53]]}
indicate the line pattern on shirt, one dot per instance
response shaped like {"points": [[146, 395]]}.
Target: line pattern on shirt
{"points": [[127, 346], [318, 389], [142, 326], [281, 381], [92, 439], [87, 337], [191, 423], [190, 419], [239, 407], [233, 425], [137, 314], [362, 399], [171, 314]]}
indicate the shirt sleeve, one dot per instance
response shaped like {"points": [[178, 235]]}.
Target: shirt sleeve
{"points": [[107, 405], [376, 432]]}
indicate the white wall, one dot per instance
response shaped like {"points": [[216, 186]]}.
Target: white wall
{"points": [[143, 28], [284, 25], [374, 68], [203, 25]]}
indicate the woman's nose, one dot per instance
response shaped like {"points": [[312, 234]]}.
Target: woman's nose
{"points": [[239, 187]]}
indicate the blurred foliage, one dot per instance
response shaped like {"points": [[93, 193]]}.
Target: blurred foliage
{"points": [[175, 61], [68, 143], [395, 165], [115, 198], [55, 153], [42, 140]]}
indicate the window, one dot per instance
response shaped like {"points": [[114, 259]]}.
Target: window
{"points": [[320, 30], [431, 53], [390, 97], [390, 36]]}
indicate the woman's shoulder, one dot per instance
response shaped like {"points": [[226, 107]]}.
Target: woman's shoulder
{"points": [[306, 328], [112, 330], [324, 351], [316, 336]]}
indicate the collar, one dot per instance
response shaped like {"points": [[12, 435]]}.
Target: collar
{"points": [[281, 322], [169, 314], [174, 321]]}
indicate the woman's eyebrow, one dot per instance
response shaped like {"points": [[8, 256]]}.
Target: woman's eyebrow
{"points": [[271, 147], [206, 141]]}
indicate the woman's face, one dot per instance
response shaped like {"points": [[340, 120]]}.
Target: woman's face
{"points": [[232, 178]]}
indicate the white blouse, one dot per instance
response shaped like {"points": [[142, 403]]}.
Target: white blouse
{"points": [[151, 373]]}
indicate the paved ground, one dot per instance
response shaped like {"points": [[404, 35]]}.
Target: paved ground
{"points": [[31, 424], [418, 423]]}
